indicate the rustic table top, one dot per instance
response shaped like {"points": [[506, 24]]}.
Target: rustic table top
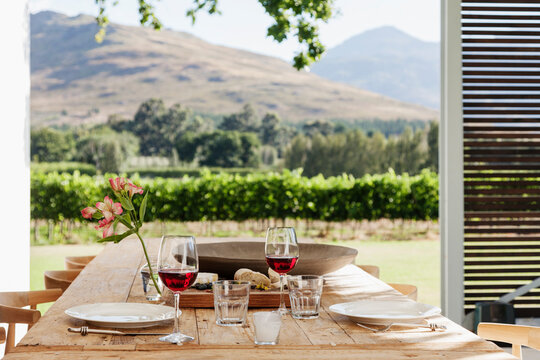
{"points": [[113, 277]]}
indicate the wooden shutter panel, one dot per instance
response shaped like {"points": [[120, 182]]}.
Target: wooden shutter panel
{"points": [[501, 115]]}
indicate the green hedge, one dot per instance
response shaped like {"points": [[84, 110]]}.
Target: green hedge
{"points": [[63, 167], [256, 196], [178, 172]]}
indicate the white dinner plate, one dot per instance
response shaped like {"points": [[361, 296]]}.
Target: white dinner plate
{"points": [[384, 312], [122, 315]]}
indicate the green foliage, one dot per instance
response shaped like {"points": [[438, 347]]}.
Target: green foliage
{"points": [[51, 145], [433, 146], [107, 149], [63, 167], [352, 152], [298, 18], [244, 121], [178, 172], [228, 149], [256, 196]]}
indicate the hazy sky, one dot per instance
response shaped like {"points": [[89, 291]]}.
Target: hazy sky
{"points": [[243, 23]]}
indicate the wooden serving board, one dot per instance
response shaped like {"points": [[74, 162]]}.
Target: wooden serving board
{"points": [[257, 298]]}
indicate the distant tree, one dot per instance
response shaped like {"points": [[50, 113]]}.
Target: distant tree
{"points": [[270, 126], [157, 127], [322, 127], [51, 145], [295, 156], [268, 155], [433, 146], [228, 149], [244, 121], [296, 18], [107, 149]]}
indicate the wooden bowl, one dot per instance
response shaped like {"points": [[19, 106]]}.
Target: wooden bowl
{"points": [[315, 259]]}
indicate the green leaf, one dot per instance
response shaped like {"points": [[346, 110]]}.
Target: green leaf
{"points": [[142, 209], [116, 238], [125, 219], [97, 215], [126, 204]]}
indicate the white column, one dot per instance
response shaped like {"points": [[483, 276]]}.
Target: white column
{"points": [[15, 147], [451, 163]]}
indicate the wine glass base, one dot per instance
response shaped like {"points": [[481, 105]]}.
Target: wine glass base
{"points": [[283, 311], [177, 338]]}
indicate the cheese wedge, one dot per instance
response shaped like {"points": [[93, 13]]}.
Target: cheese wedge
{"points": [[205, 278]]}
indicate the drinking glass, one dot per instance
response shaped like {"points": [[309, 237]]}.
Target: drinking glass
{"points": [[305, 294], [282, 252], [150, 291], [231, 299], [178, 266], [267, 325]]}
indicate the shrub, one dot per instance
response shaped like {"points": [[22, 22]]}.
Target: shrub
{"points": [[253, 196]]}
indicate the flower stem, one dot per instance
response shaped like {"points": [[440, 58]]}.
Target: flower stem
{"points": [[148, 262]]}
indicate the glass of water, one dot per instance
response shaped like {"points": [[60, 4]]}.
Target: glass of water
{"points": [[149, 289], [305, 294], [231, 300]]}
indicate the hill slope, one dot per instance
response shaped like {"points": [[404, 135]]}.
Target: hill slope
{"points": [[387, 61], [74, 79]]}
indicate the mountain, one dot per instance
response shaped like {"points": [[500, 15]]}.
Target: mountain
{"points": [[76, 80], [387, 61]]}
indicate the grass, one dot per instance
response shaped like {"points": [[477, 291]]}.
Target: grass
{"points": [[414, 262], [51, 257]]}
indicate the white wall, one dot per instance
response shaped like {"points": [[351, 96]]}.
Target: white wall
{"points": [[14, 148], [451, 163]]}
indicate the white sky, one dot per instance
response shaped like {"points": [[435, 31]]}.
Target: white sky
{"points": [[243, 23]]}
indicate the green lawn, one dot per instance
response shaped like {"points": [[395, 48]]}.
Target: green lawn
{"points": [[52, 258], [412, 262]]}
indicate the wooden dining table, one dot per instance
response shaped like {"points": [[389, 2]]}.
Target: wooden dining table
{"points": [[113, 276]]}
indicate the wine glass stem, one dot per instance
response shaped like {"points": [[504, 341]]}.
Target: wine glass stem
{"points": [[176, 312], [282, 307]]}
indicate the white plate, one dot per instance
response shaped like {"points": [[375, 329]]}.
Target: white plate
{"points": [[384, 312], [122, 315]]}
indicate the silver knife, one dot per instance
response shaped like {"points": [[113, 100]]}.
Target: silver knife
{"points": [[84, 330]]}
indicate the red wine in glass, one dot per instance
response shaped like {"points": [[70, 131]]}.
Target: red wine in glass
{"points": [[281, 264], [177, 279]]}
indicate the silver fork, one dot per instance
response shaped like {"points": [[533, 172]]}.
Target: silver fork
{"points": [[431, 326]]}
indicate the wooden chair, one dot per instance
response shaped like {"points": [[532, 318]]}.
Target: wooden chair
{"points": [[372, 270], [59, 279], [11, 311], [517, 335], [409, 291], [77, 262]]}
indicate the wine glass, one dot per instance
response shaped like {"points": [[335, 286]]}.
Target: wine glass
{"points": [[282, 252], [178, 266]]}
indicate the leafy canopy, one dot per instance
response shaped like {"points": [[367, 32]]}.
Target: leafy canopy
{"points": [[299, 18]]}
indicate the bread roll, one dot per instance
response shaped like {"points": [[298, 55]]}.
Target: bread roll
{"points": [[256, 278], [274, 276]]}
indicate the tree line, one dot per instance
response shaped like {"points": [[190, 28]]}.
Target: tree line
{"points": [[239, 140]]}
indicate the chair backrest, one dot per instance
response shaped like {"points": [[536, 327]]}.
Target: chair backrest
{"points": [[59, 279], [372, 270], [77, 262], [517, 335], [29, 298], [408, 290], [11, 312]]}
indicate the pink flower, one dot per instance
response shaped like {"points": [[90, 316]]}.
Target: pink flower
{"points": [[106, 225], [117, 184], [132, 188], [109, 208], [88, 212]]}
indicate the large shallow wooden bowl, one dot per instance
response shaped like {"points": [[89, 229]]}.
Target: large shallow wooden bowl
{"points": [[227, 257]]}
